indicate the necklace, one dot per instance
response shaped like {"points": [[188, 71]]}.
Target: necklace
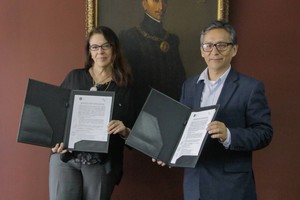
{"points": [[164, 45], [98, 86], [94, 76]]}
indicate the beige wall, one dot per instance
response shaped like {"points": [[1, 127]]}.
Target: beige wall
{"points": [[44, 40]]}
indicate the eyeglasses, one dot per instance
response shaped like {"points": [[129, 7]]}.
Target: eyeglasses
{"points": [[105, 46], [221, 46]]}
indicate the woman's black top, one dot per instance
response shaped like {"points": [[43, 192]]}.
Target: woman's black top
{"points": [[123, 110]]}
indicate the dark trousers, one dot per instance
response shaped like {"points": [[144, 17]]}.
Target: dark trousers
{"points": [[75, 181]]}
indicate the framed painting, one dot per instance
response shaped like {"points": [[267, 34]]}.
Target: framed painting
{"points": [[160, 38], [183, 18]]}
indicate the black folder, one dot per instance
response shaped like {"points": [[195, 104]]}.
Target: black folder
{"points": [[159, 128], [47, 114]]}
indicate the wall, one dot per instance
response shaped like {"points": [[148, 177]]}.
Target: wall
{"points": [[269, 40], [44, 40]]}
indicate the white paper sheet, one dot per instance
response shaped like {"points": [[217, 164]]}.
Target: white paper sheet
{"points": [[194, 134], [90, 118]]}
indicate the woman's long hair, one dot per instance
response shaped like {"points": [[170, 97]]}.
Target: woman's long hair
{"points": [[121, 71]]}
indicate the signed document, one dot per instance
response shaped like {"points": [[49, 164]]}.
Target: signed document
{"points": [[90, 117], [194, 134], [170, 131], [77, 118]]}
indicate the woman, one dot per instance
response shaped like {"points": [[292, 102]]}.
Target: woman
{"points": [[86, 175]]}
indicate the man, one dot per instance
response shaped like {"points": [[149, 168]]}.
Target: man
{"points": [[153, 53], [243, 122]]}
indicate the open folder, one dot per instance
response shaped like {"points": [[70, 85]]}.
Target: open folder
{"points": [[77, 118], [170, 131]]}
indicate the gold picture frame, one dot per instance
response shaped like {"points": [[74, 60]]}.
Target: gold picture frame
{"points": [[92, 13], [186, 19]]}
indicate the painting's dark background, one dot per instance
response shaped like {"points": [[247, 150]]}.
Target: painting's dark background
{"points": [[183, 18], [45, 39]]}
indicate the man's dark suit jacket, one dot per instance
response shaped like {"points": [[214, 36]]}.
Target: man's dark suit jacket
{"points": [[227, 174]]}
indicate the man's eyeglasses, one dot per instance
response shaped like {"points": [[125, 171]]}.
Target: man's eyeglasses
{"points": [[105, 46], [221, 46]]}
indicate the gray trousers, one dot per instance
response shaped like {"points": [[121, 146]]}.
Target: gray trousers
{"points": [[75, 181]]}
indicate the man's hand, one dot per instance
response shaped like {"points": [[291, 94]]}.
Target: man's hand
{"points": [[161, 163], [217, 130]]}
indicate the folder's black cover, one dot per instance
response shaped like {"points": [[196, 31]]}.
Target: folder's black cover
{"points": [[44, 114], [45, 117], [159, 127]]}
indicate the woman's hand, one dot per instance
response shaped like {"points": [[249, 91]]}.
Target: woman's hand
{"points": [[59, 148], [117, 127]]}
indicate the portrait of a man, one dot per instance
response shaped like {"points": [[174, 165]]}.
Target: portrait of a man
{"points": [[153, 53], [160, 39]]}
